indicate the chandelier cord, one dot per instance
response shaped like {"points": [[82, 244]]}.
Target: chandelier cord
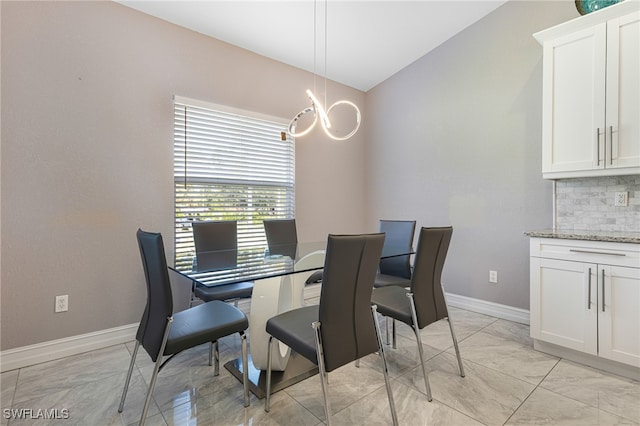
{"points": [[326, 19], [315, 43]]}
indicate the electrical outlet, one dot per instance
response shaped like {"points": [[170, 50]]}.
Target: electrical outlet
{"points": [[493, 277], [621, 199], [62, 303]]}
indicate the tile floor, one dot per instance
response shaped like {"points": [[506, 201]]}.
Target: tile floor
{"points": [[506, 382]]}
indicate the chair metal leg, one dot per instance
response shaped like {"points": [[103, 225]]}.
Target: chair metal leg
{"points": [[156, 369], [245, 368], [193, 294], [455, 346], [386, 326], [322, 373], [126, 383], [191, 297], [267, 399], [385, 370], [416, 330], [214, 357], [393, 333], [453, 335]]}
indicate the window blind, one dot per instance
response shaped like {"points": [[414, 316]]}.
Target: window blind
{"points": [[229, 165]]}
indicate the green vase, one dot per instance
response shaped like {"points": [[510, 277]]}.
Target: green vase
{"points": [[588, 6]]}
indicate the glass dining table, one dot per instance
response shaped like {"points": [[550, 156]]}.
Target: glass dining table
{"points": [[279, 274]]}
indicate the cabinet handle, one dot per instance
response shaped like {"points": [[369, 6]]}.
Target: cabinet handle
{"points": [[598, 144], [589, 301], [603, 290], [610, 145], [596, 252]]}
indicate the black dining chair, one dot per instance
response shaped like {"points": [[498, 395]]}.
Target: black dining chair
{"points": [[216, 246], [282, 238], [424, 302], [396, 270], [342, 328], [163, 333]]}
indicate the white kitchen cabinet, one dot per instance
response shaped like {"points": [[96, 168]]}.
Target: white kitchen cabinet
{"points": [[619, 314], [585, 296], [562, 308], [591, 94]]}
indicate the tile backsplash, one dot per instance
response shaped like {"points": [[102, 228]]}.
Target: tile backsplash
{"points": [[588, 204]]}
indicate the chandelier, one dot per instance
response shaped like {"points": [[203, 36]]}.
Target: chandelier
{"points": [[316, 108]]}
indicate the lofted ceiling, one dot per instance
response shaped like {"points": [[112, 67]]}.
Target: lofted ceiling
{"points": [[367, 41]]}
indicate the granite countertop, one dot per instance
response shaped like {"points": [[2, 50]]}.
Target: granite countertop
{"points": [[612, 236]]}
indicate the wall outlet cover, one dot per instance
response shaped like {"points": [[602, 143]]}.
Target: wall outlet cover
{"points": [[621, 199], [62, 303]]}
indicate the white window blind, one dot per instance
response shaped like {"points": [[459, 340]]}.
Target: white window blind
{"points": [[229, 165]]}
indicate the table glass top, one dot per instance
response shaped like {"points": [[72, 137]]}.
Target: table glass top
{"points": [[258, 262]]}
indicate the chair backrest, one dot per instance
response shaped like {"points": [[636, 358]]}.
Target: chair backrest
{"points": [[398, 233], [280, 231], [159, 299], [282, 236], [216, 244], [426, 284], [347, 327]]}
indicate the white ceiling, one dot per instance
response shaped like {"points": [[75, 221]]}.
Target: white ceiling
{"points": [[367, 40]]}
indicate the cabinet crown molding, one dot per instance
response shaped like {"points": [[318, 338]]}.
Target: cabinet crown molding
{"points": [[588, 20]]}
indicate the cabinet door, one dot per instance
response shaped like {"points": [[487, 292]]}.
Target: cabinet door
{"points": [[623, 92], [573, 101], [619, 316], [563, 303]]}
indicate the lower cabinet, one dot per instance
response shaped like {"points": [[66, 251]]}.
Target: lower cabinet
{"points": [[585, 296], [619, 314]]}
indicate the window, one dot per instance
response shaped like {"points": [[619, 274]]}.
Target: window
{"points": [[229, 165]]}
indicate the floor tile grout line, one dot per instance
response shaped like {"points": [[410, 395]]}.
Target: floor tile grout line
{"points": [[13, 394], [484, 329], [589, 405], [362, 397], [441, 402], [60, 389], [540, 385], [15, 390], [303, 407], [459, 342], [532, 391], [508, 375], [355, 401], [512, 341]]}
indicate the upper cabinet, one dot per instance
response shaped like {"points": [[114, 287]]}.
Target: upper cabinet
{"points": [[591, 94]]}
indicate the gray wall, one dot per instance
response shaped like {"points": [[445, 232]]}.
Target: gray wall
{"points": [[455, 139], [87, 142], [86, 152]]}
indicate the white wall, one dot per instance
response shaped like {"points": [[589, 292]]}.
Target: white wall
{"points": [[87, 138], [455, 139]]}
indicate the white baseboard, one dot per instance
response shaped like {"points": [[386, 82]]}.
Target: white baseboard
{"points": [[74, 345], [56, 349], [489, 308]]}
